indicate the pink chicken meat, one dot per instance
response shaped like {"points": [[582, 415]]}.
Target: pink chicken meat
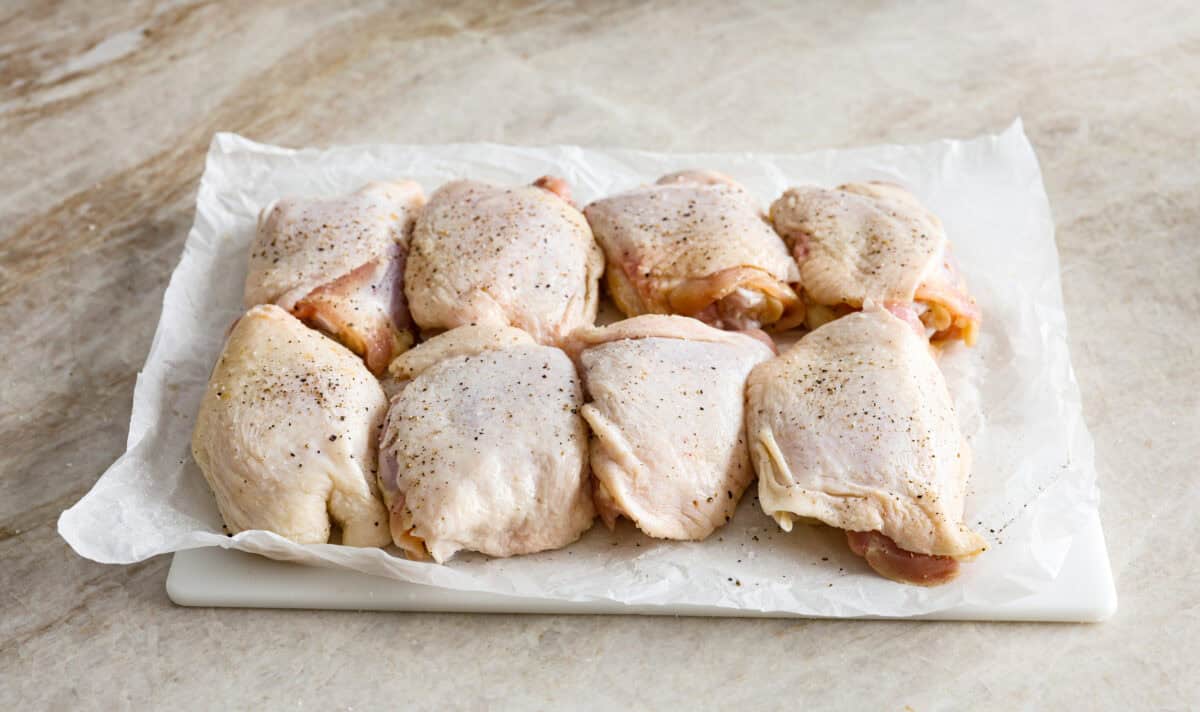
{"points": [[338, 265], [853, 426], [668, 446], [874, 242], [507, 256], [483, 448], [286, 434], [695, 244]]}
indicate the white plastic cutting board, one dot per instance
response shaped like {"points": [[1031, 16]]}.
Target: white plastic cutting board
{"points": [[1083, 592]]}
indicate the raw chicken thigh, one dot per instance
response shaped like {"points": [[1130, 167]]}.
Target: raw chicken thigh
{"points": [[338, 265], [668, 446], [484, 449], [874, 241], [695, 243], [520, 257], [854, 427], [286, 434]]}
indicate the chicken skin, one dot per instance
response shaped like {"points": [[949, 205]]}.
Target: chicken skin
{"points": [[483, 448], [286, 434], [695, 243], [874, 241], [338, 265], [668, 447], [854, 427], [487, 254]]}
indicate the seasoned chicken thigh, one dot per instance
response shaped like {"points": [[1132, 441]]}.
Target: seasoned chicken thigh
{"points": [[338, 264], [520, 257], [668, 446], [695, 243], [484, 449], [854, 427], [286, 434], [874, 241]]}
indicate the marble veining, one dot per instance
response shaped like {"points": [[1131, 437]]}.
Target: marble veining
{"points": [[107, 108]]}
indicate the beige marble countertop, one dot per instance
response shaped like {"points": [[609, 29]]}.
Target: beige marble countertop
{"points": [[106, 110]]}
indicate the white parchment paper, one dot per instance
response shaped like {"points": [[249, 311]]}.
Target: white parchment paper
{"points": [[1033, 483]]}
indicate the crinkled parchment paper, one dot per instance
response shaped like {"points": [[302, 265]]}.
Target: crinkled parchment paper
{"points": [[1033, 482]]}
